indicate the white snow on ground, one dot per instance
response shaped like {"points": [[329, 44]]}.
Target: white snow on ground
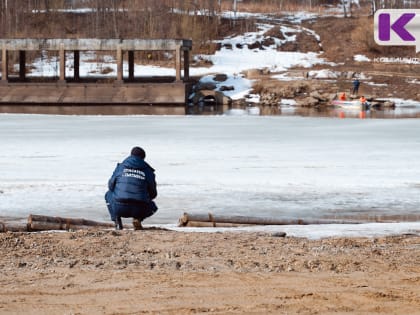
{"points": [[375, 84], [363, 76], [413, 81], [287, 77], [90, 66], [361, 58], [235, 57], [234, 60], [300, 16], [321, 230], [242, 86], [323, 74], [242, 15]]}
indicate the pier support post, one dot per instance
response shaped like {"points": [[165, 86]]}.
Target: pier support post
{"points": [[76, 61], [62, 57], [22, 65], [119, 64], [4, 65], [178, 63], [186, 65], [131, 65]]}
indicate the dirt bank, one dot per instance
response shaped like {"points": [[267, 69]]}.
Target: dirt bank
{"points": [[166, 272]]}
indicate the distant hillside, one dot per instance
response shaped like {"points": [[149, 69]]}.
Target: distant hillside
{"points": [[199, 20]]}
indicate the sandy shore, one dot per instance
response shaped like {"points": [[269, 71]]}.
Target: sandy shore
{"points": [[167, 272]]}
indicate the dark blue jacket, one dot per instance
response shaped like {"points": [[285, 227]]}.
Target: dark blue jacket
{"points": [[133, 180], [356, 83]]}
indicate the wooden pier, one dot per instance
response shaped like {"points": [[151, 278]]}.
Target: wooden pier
{"points": [[133, 94]]}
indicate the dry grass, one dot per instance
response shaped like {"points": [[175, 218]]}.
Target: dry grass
{"points": [[363, 35], [258, 88]]}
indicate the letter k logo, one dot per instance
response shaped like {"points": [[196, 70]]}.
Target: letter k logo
{"points": [[398, 26]]}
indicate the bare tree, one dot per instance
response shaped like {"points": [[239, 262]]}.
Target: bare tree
{"points": [[114, 18]]}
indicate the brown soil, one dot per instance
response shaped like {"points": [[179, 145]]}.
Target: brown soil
{"points": [[166, 272], [342, 39]]}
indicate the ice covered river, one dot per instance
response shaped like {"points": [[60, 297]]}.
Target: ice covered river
{"points": [[244, 165]]}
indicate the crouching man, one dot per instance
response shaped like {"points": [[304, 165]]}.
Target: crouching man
{"points": [[132, 188]]}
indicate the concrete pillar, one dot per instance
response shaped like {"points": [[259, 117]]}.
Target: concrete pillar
{"points": [[186, 65], [4, 64], [119, 64], [22, 65], [76, 61], [62, 57], [131, 65], [178, 63]]}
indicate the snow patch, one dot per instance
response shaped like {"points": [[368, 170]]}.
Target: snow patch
{"points": [[361, 58], [324, 74]]}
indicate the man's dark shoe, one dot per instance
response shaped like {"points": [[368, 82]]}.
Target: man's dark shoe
{"points": [[118, 224], [137, 224]]}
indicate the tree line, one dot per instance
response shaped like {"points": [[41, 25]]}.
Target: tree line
{"points": [[196, 19]]}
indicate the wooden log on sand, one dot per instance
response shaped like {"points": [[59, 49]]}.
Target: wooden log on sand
{"points": [[190, 223], [13, 227], [45, 223], [216, 220]]}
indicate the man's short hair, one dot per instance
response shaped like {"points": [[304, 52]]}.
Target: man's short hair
{"points": [[139, 152]]}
